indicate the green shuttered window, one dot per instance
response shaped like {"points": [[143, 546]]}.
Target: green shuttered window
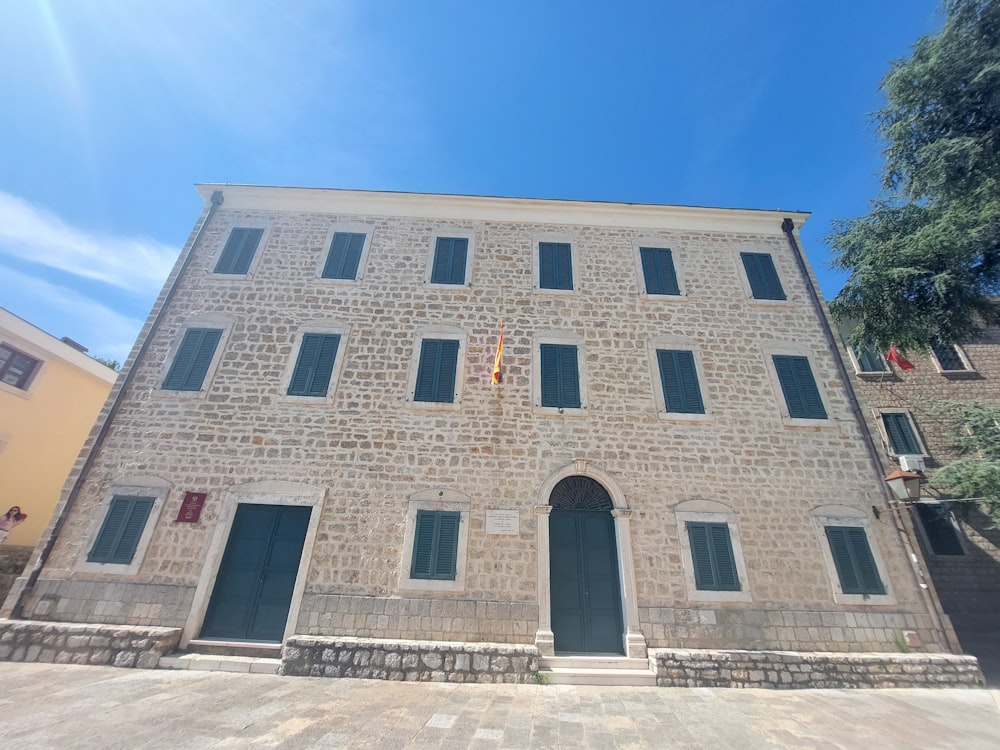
{"points": [[435, 545], [194, 356], [902, 438], [314, 365], [344, 256], [712, 555], [658, 270], [853, 558], [436, 371], [239, 251], [121, 530], [560, 376], [679, 379], [939, 528], [799, 387], [763, 278], [869, 360], [450, 254], [555, 265]]}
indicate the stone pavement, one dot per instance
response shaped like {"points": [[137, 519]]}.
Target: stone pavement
{"points": [[65, 706]]}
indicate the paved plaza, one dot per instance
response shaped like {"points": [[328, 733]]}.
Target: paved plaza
{"points": [[61, 706]]}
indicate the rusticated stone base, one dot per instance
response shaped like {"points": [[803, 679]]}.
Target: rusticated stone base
{"points": [[413, 661], [76, 643], [797, 670]]}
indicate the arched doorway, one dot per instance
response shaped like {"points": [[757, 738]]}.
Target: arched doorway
{"points": [[586, 601]]}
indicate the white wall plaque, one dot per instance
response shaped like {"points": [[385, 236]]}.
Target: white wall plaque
{"points": [[503, 522]]}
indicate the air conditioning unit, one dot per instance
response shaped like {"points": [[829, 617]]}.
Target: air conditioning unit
{"points": [[912, 463]]}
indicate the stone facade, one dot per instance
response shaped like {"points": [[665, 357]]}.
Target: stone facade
{"points": [[967, 584], [792, 671], [74, 643], [366, 456]]}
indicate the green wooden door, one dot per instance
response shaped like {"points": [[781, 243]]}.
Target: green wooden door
{"points": [[583, 576], [253, 589]]}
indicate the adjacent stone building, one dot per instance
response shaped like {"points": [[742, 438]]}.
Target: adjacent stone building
{"points": [[909, 418], [307, 442]]}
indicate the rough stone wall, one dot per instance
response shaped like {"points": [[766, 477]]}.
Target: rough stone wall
{"points": [[370, 450], [74, 643], [968, 586], [792, 671], [13, 558], [410, 661]]}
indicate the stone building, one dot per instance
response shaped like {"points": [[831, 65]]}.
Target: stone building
{"points": [[961, 549], [307, 443]]}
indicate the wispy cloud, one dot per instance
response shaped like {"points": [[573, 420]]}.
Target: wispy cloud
{"points": [[36, 235], [64, 312]]}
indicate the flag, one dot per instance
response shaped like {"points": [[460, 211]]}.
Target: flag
{"points": [[497, 373], [902, 362]]}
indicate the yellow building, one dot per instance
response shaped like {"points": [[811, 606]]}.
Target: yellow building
{"points": [[50, 396]]}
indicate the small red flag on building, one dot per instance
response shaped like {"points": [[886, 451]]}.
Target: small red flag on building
{"points": [[902, 362], [497, 372]]}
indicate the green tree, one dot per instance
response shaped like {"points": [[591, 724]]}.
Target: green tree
{"points": [[924, 263], [114, 364], [975, 476]]}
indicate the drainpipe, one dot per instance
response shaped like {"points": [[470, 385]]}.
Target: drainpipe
{"points": [[930, 600], [95, 449]]}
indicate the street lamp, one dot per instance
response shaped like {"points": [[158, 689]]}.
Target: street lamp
{"points": [[905, 485]]}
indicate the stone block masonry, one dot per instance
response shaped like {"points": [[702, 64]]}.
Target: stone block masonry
{"points": [[410, 661], [789, 671], [75, 643]]}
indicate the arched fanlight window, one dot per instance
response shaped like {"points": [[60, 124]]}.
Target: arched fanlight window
{"points": [[580, 493]]}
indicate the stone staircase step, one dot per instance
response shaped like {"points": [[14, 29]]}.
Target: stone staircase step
{"points": [[594, 662], [221, 663], [606, 677], [235, 648]]}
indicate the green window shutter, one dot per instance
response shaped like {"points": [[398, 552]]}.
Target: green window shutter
{"points": [[939, 528], [187, 373], [869, 360], [450, 255], [239, 251], [902, 440], [763, 278], [314, 366], [122, 528], [712, 556], [852, 557], [435, 545], [344, 256], [799, 387], [436, 371], [555, 265], [658, 270], [679, 378], [560, 376]]}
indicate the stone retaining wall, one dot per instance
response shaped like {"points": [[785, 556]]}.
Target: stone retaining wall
{"points": [[412, 661], [796, 670], [75, 643], [12, 561]]}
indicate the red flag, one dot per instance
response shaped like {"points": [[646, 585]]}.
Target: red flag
{"points": [[497, 374], [902, 362]]}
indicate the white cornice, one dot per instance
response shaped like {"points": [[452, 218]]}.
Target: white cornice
{"points": [[480, 208], [21, 334]]}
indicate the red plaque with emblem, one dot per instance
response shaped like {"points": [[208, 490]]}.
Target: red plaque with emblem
{"points": [[190, 510]]}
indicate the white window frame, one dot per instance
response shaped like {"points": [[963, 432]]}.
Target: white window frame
{"points": [[795, 350], [435, 499], [137, 486], [677, 343], [665, 244], [741, 272], [329, 327], [265, 226], [368, 230], [458, 233], [885, 433], [925, 539], [710, 511], [210, 320], [448, 332], [564, 338], [969, 369], [574, 248], [842, 515], [856, 363]]}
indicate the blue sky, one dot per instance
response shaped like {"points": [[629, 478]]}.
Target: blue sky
{"points": [[113, 109]]}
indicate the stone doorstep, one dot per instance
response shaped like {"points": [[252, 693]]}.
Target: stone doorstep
{"points": [[607, 671], [261, 650], [220, 663]]}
